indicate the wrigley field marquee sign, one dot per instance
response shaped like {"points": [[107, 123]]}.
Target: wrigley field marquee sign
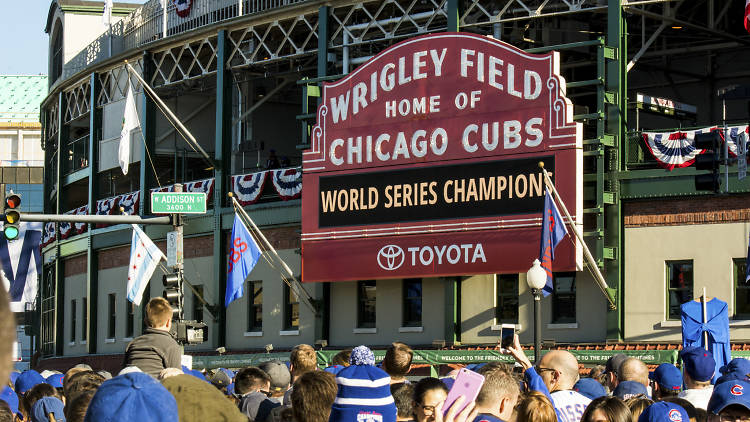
{"points": [[424, 163]]}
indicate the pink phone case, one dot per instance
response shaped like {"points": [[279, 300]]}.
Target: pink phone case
{"points": [[467, 384]]}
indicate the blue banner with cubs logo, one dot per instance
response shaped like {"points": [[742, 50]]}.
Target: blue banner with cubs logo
{"points": [[243, 255]]}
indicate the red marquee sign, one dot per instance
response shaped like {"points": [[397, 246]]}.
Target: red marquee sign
{"points": [[424, 163]]}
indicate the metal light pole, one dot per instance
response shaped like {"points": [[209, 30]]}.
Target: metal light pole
{"points": [[536, 278]]}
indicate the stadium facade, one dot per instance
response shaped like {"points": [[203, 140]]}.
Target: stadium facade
{"points": [[244, 77]]}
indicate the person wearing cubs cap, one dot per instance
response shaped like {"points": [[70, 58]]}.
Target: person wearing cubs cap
{"points": [[730, 402], [664, 412], [699, 367], [666, 381], [736, 369]]}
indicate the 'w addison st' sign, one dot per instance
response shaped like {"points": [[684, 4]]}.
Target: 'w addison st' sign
{"points": [[424, 163]]}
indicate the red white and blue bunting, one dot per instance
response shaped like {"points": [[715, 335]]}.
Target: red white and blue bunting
{"points": [[677, 149], [48, 234], [673, 149], [288, 183], [248, 187], [734, 132], [130, 202], [182, 7], [206, 186]]}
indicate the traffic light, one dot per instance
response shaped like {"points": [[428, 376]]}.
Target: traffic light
{"points": [[709, 160], [11, 216], [173, 293]]}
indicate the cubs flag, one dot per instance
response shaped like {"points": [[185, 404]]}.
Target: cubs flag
{"points": [[21, 265], [243, 255], [129, 122], [144, 257], [553, 231], [747, 260]]}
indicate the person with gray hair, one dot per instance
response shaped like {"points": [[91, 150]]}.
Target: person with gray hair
{"points": [[559, 371], [633, 369]]}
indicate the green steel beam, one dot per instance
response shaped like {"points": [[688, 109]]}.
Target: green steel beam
{"points": [[453, 18], [62, 139], [614, 58], [92, 267], [222, 170], [148, 129], [322, 316]]}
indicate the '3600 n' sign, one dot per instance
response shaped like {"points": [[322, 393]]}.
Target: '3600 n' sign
{"points": [[436, 138]]}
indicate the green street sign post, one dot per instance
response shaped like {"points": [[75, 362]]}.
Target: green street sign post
{"points": [[178, 203]]}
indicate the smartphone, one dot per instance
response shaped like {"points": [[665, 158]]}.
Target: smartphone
{"points": [[506, 335], [467, 384]]}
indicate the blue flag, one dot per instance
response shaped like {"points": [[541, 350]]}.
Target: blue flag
{"points": [[553, 231], [243, 255], [747, 262]]}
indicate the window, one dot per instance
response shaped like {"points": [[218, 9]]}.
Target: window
{"points": [[741, 290], [72, 321], [291, 309], [197, 304], [366, 304], [255, 306], [130, 319], [679, 286], [564, 298], [506, 309], [84, 319], [112, 312], [412, 302]]}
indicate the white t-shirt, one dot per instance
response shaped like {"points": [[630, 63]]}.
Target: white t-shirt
{"points": [[569, 405], [698, 397]]}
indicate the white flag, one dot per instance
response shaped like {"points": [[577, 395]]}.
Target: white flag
{"points": [[129, 122], [144, 257], [107, 15]]}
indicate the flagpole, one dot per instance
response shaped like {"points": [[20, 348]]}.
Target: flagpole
{"points": [[270, 247], [598, 277], [171, 115]]}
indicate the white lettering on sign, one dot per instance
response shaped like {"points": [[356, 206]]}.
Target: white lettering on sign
{"points": [[386, 78], [451, 254]]}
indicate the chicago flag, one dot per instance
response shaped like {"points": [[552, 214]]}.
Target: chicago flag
{"points": [[144, 257], [553, 231]]}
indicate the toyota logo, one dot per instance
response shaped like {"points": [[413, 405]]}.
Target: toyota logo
{"points": [[390, 257]]}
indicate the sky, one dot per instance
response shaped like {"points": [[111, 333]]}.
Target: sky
{"points": [[25, 44]]}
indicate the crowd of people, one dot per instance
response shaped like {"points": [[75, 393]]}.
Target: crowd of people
{"points": [[153, 386]]}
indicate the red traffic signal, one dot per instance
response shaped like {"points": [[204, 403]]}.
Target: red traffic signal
{"points": [[13, 201]]}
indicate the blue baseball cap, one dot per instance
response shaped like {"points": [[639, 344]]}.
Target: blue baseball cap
{"points": [[732, 376], [55, 380], [9, 396], [729, 393], [14, 376], [46, 405], [663, 411], [699, 363], [27, 380], [132, 397], [334, 369], [667, 376], [590, 388], [628, 389], [740, 365]]}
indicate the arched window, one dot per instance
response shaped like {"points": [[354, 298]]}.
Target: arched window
{"points": [[56, 53]]}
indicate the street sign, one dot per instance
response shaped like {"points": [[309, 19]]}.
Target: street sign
{"points": [[178, 203]]}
